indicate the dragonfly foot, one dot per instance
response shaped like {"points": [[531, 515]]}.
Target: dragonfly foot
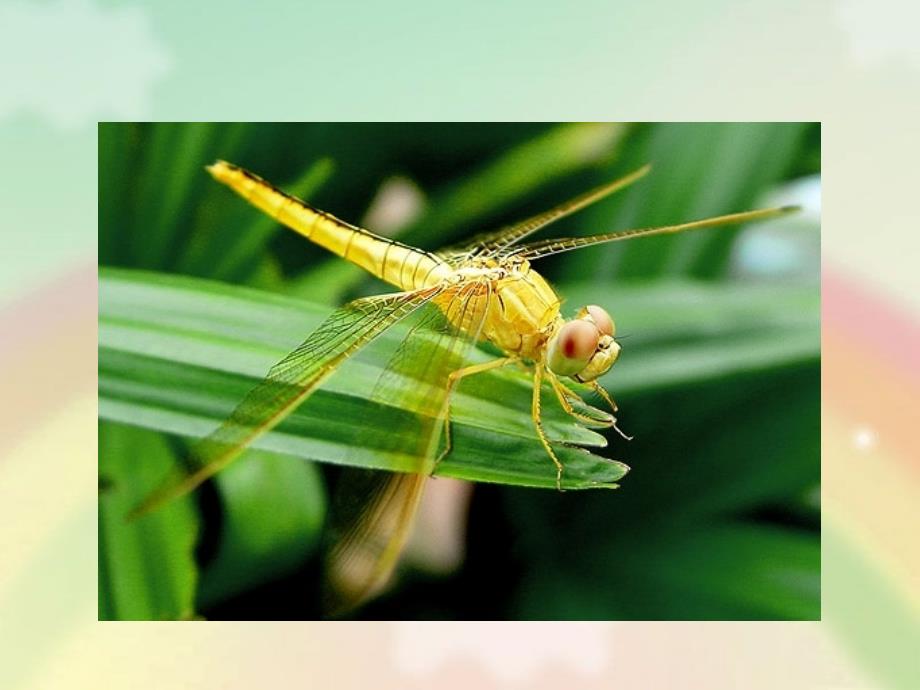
{"points": [[620, 431]]}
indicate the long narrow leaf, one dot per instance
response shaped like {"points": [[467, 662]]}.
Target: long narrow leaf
{"points": [[146, 567], [177, 354]]}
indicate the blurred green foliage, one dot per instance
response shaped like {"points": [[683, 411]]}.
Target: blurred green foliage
{"points": [[719, 378]]}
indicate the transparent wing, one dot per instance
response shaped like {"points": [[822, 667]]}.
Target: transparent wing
{"points": [[494, 242], [373, 511], [380, 509], [537, 250], [289, 383]]}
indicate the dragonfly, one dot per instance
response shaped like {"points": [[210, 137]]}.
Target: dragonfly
{"points": [[484, 289]]}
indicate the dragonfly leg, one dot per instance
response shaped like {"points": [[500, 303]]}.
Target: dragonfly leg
{"points": [[452, 381], [599, 389], [566, 395], [538, 422]]}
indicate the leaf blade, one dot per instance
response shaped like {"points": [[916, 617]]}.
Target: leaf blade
{"points": [[147, 567], [163, 367]]}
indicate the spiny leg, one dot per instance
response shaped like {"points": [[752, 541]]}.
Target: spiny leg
{"points": [[566, 395], [599, 389], [452, 382], [538, 423]]}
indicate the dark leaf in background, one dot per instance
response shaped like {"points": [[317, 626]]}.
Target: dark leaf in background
{"points": [[258, 544]]}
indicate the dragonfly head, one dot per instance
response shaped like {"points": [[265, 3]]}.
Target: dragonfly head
{"points": [[584, 348]]}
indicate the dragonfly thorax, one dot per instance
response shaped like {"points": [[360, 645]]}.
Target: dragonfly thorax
{"points": [[476, 272], [523, 311]]}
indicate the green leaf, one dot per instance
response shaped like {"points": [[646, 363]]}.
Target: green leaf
{"points": [[273, 510], [699, 170], [678, 332], [177, 354], [119, 145], [723, 571], [146, 567], [751, 571], [152, 182]]}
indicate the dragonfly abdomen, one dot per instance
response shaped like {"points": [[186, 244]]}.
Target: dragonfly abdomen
{"points": [[398, 264]]}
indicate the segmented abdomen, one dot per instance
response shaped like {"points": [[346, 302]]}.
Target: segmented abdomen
{"points": [[398, 264]]}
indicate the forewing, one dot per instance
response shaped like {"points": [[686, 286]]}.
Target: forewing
{"points": [[537, 250], [373, 511], [495, 242], [289, 383]]}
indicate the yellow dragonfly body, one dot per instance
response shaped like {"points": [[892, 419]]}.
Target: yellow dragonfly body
{"points": [[484, 290], [518, 321]]}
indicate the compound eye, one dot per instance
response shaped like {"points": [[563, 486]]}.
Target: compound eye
{"points": [[578, 340], [573, 347], [602, 319]]}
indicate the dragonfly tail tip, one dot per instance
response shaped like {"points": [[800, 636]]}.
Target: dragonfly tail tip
{"points": [[220, 170]]}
